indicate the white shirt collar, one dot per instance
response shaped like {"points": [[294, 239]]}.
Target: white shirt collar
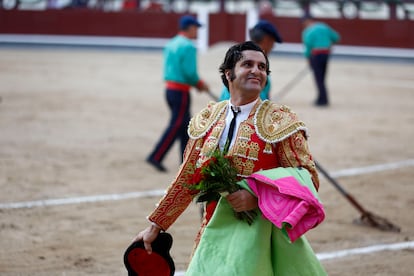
{"points": [[241, 116], [243, 108]]}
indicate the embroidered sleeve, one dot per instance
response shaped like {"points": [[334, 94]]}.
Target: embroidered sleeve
{"points": [[178, 196], [294, 152]]}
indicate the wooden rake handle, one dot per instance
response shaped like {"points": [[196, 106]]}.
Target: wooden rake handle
{"points": [[366, 217]]}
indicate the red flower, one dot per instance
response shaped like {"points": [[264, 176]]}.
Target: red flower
{"points": [[197, 176], [217, 176]]}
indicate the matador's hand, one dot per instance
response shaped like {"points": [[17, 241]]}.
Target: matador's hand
{"points": [[242, 200], [148, 236]]}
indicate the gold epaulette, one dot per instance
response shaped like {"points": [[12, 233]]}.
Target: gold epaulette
{"points": [[275, 122], [201, 123]]}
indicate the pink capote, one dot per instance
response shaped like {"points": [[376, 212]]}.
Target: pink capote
{"points": [[287, 203]]}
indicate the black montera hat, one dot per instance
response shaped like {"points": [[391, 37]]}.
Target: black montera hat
{"points": [[159, 263]]}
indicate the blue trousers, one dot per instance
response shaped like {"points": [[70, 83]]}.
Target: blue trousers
{"points": [[319, 65], [179, 104]]}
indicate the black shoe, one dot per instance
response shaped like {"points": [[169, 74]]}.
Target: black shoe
{"points": [[321, 104], [156, 164]]}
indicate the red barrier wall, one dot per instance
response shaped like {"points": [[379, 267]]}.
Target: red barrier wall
{"points": [[227, 27], [356, 32], [89, 22], [223, 26]]}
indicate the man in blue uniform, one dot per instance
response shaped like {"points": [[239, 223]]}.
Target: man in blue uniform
{"points": [[180, 74]]}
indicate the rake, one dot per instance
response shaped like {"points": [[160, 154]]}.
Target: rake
{"points": [[367, 218], [294, 81], [212, 96]]}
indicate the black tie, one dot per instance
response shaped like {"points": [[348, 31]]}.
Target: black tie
{"points": [[235, 110]]}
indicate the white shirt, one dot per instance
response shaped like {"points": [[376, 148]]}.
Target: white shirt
{"points": [[241, 116]]}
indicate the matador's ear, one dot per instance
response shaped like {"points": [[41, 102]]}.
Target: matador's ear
{"points": [[228, 74]]}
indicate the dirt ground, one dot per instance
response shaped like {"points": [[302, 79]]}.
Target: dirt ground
{"points": [[80, 122]]}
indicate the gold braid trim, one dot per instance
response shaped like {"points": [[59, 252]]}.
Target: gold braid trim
{"points": [[275, 122], [178, 196], [201, 123]]}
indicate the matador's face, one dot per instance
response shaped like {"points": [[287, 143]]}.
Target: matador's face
{"points": [[249, 75]]}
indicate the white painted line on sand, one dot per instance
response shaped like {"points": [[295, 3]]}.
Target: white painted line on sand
{"points": [[364, 250], [353, 251], [84, 199], [375, 168], [152, 193]]}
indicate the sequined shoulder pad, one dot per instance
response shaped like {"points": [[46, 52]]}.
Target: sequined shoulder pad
{"points": [[201, 123], [275, 122]]}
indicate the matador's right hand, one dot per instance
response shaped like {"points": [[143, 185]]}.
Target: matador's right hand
{"points": [[148, 236]]}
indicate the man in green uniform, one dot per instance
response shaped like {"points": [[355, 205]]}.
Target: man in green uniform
{"points": [[180, 74], [318, 39]]}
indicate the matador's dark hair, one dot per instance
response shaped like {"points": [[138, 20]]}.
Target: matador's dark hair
{"points": [[234, 54]]}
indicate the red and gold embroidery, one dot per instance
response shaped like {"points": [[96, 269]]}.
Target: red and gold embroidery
{"points": [[271, 137], [274, 123]]}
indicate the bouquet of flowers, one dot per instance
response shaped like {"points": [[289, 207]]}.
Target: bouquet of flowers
{"points": [[218, 177]]}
